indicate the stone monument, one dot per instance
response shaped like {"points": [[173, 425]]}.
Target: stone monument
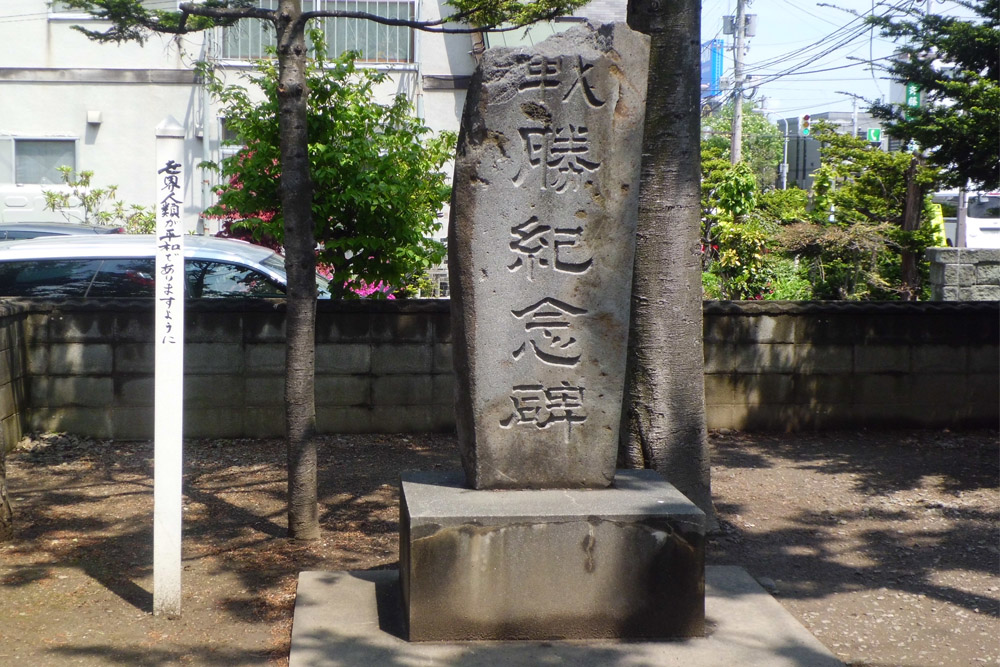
{"points": [[541, 539]]}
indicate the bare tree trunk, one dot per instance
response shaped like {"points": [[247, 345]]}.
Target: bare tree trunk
{"points": [[912, 206], [6, 514], [664, 411], [300, 264]]}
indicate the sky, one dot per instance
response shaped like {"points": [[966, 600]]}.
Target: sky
{"points": [[819, 50]]}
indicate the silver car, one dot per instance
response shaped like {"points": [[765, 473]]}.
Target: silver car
{"points": [[10, 231], [123, 266]]}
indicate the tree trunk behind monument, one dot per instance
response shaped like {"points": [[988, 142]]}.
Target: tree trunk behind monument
{"points": [[6, 515], [912, 208], [300, 265], [664, 410]]}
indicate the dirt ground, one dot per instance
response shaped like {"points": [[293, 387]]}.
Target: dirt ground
{"points": [[883, 544]]}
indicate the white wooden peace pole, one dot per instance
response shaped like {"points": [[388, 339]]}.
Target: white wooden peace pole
{"points": [[169, 380]]}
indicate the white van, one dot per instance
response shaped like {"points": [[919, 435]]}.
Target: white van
{"points": [[982, 222]]}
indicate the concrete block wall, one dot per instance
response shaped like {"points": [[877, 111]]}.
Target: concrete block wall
{"points": [[13, 373], [87, 367], [964, 274], [806, 365], [380, 367]]}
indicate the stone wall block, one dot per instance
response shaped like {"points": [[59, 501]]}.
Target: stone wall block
{"points": [[132, 391], [71, 391], [330, 419], [80, 358], [443, 389], [337, 327], [36, 329], [988, 274], [722, 388], [402, 390], [939, 359], [770, 329], [881, 359], [344, 390], [135, 357], [136, 326], [264, 391], [11, 429], [208, 327], [266, 358], [81, 325], [217, 391], [984, 293], [943, 255], [824, 390], [981, 255], [982, 394], [212, 422], [882, 389], [821, 329], [402, 327], [8, 402], [984, 358], [343, 358], [269, 422], [213, 358], [719, 328], [724, 357], [949, 293], [406, 358], [38, 360], [441, 326], [265, 327], [133, 422], [770, 389], [940, 389], [443, 358], [95, 422]]}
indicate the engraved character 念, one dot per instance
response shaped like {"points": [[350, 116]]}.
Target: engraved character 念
{"points": [[548, 324]]}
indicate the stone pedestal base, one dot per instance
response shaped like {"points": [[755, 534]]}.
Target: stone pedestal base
{"points": [[626, 562]]}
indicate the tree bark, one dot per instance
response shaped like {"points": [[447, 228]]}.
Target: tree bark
{"points": [[664, 411], [300, 265], [912, 206], [6, 514]]}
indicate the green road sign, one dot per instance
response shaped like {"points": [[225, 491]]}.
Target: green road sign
{"points": [[911, 100], [875, 135]]}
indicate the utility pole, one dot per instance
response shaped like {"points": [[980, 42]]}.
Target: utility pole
{"points": [[736, 143], [784, 157]]}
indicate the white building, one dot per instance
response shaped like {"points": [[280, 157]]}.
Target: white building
{"points": [[67, 100]]}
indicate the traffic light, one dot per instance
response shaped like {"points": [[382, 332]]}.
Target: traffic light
{"points": [[804, 125]]}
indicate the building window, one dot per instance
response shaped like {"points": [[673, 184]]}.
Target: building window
{"points": [[60, 7], [376, 43], [38, 160]]}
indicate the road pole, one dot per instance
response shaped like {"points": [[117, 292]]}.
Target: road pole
{"points": [[784, 158], [736, 143]]}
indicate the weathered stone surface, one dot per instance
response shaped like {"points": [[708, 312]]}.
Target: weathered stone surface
{"points": [[541, 244], [627, 561]]}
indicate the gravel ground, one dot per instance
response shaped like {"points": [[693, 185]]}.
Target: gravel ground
{"points": [[883, 544]]}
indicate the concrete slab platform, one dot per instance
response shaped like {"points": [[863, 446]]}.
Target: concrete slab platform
{"points": [[347, 619], [624, 562]]}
